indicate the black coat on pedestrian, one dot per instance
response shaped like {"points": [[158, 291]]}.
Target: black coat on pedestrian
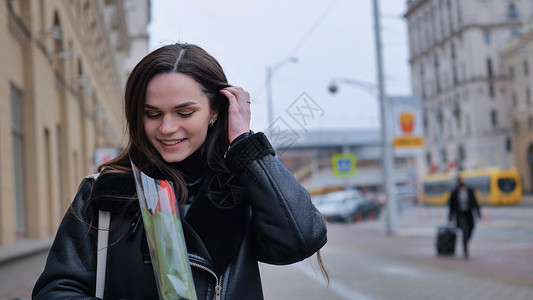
{"points": [[273, 222], [464, 220]]}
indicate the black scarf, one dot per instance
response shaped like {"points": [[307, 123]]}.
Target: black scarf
{"points": [[214, 209]]}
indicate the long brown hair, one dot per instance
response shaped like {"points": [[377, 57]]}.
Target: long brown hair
{"points": [[195, 62], [186, 59]]}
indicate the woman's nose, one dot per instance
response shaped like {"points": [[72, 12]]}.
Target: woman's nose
{"points": [[168, 125]]}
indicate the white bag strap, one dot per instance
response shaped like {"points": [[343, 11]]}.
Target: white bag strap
{"points": [[104, 218]]}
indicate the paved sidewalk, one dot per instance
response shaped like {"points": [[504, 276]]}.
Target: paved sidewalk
{"points": [[20, 266], [500, 249], [366, 264]]}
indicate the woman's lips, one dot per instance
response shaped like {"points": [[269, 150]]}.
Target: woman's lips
{"points": [[171, 144]]}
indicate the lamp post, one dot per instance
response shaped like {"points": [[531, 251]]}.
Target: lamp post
{"points": [[384, 103], [388, 161], [269, 73]]}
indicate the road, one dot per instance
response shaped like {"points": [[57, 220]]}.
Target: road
{"points": [[364, 263]]}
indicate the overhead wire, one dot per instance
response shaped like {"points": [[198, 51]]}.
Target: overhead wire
{"points": [[313, 27]]}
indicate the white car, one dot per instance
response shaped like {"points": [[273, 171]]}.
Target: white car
{"points": [[346, 206]]}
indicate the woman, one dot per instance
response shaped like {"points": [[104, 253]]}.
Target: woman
{"points": [[239, 204]]}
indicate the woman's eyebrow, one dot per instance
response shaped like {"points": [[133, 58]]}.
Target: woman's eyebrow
{"points": [[182, 105]]}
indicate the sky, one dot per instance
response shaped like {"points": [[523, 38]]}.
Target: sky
{"points": [[331, 40]]}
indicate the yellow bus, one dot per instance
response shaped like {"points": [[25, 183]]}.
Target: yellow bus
{"points": [[492, 186]]}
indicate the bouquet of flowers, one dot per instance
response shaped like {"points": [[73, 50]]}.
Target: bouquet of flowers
{"points": [[164, 233]]}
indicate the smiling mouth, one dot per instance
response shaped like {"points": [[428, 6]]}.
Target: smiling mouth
{"points": [[172, 142]]}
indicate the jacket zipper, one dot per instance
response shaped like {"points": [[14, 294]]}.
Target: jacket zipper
{"points": [[218, 286]]}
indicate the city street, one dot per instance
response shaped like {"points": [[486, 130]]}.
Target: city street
{"points": [[364, 263]]}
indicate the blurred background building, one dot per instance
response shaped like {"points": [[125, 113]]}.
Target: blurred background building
{"points": [[61, 86], [517, 56], [467, 86]]}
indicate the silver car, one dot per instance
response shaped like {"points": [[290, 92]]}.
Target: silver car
{"points": [[346, 206]]}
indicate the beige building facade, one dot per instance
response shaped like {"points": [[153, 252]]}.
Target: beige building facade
{"points": [[517, 57], [61, 88], [457, 70]]}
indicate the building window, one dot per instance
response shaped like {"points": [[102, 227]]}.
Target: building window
{"points": [[461, 153], [432, 20], [530, 123], [454, 75], [489, 68], [453, 51], [516, 126], [422, 80], [508, 145], [515, 100], [528, 96], [491, 90], [468, 125], [440, 116], [494, 118], [526, 68], [459, 14], [437, 75], [511, 11], [450, 20], [19, 176], [457, 110], [443, 156], [427, 28], [486, 37], [511, 72], [441, 10]]}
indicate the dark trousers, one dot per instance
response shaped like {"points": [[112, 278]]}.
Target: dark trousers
{"points": [[465, 221]]}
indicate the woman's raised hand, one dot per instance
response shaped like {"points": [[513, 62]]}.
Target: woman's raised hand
{"points": [[238, 112]]}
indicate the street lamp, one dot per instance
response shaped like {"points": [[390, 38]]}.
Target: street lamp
{"points": [[270, 72], [379, 90], [370, 87]]}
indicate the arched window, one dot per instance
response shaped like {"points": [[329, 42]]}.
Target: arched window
{"points": [[58, 52]]}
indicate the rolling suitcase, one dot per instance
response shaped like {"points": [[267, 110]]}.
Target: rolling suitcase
{"points": [[446, 237]]}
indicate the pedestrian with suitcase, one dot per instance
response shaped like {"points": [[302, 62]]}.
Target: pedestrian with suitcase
{"points": [[446, 237], [462, 204]]}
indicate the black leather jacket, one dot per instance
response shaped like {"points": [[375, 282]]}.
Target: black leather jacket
{"points": [[275, 223]]}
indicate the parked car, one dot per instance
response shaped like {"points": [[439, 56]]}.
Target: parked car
{"points": [[346, 206]]}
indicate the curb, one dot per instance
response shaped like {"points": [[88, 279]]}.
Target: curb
{"points": [[24, 248]]}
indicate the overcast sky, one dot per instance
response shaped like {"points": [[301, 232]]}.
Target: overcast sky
{"points": [[331, 39]]}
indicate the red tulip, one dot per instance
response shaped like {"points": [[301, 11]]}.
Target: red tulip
{"points": [[167, 200]]}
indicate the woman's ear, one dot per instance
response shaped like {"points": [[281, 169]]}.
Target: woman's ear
{"points": [[214, 116]]}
